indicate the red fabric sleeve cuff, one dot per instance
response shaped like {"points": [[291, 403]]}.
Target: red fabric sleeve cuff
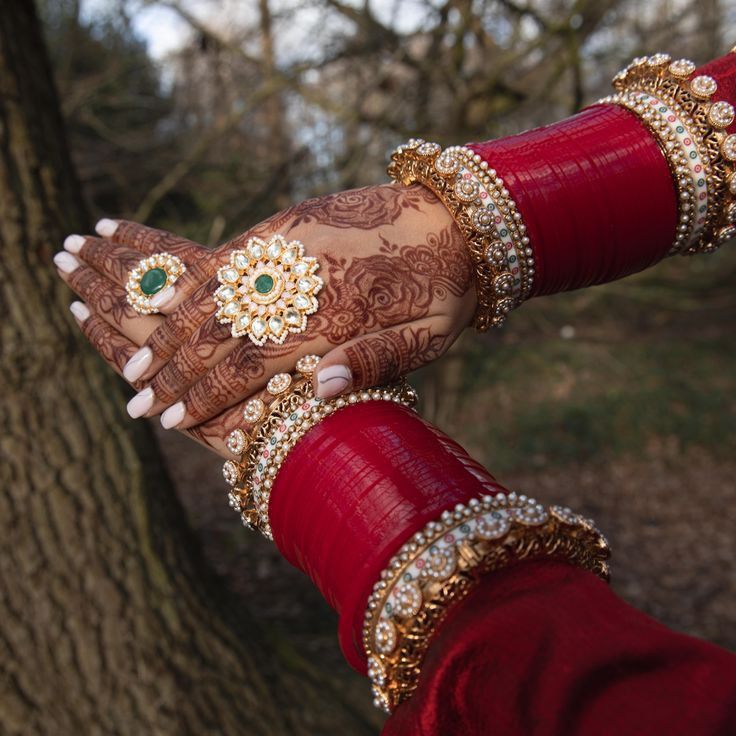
{"points": [[546, 648]]}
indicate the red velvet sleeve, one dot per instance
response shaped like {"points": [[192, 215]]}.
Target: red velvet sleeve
{"points": [[545, 648]]}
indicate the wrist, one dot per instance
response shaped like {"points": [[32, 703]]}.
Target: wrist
{"points": [[486, 216]]}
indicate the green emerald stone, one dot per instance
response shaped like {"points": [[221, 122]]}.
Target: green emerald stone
{"points": [[264, 283], [153, 281]]}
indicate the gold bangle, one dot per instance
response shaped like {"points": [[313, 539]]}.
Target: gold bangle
{"points": [[442, 563], [677, 108], [277, 428], [487, 216]]}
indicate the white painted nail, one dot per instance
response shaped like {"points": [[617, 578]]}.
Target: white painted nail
{"points": [[141, 403], [138, 364], [79, 310], [162, 297], [73, 243], [106, 227], [333, 380], [66, 262], [173, 415]]}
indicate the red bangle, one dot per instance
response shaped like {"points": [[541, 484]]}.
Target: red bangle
{"points": [[353, 490], [595, 193]]}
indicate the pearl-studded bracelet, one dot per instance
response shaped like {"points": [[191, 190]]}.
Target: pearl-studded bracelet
{"points": [[691, 130], [487, 216], [277, 428], [443, 562]]}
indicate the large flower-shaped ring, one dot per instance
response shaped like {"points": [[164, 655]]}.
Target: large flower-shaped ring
{"points": [[151, 275], [268, 289]]}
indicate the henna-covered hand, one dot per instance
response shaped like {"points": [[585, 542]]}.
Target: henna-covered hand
{"points": [[397, 291]]}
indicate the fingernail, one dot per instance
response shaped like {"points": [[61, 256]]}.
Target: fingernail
{"points": [[162, 297], [333, 380], [66, 262], [138, 364], [141, 403], [106, 227], [73, 243], [173, 415], [79, 310]]}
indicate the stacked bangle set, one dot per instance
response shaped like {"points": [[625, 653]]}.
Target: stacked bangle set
{"points": [[676, 106], [271, 431], [443, 562], [438, 566], [487, 216]]}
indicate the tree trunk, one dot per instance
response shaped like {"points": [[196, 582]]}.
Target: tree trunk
{"points": [[110, 623]]}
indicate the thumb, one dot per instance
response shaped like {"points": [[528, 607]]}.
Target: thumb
{"points": [[381, 357]]}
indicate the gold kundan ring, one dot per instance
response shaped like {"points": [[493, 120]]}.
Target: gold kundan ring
{"points": [[151, 275], [267, 290]]}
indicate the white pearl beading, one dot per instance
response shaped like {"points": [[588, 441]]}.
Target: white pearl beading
{"points": [[258, 476], [485, 213], [433, 555], [674, 132], [495, 206], [679, 86]]}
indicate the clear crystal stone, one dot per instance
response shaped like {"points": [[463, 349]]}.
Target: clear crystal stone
{"points": [[230, 275], [276, 324], [293, 317]]}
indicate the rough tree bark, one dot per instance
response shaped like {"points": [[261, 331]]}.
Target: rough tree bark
{"points": [[109, 620]]}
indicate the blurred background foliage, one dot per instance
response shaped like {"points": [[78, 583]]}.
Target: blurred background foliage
{"points": [[203, 117]]}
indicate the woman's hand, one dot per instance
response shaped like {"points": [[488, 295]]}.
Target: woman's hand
{"points": [[397, 291]]}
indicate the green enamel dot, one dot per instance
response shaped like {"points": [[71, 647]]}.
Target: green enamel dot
{"points": [[264, 283], [153, 281]]}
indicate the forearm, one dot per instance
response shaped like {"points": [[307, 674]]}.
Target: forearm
{"points": [[593, 198], [510, 634]]}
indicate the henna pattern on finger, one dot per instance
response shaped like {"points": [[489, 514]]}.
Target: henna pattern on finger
{"points": [[103, 296], [386, 356], [183, 322], [149, 240], [114, 347], [239, 374], [210, 345], [113, 261]]}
